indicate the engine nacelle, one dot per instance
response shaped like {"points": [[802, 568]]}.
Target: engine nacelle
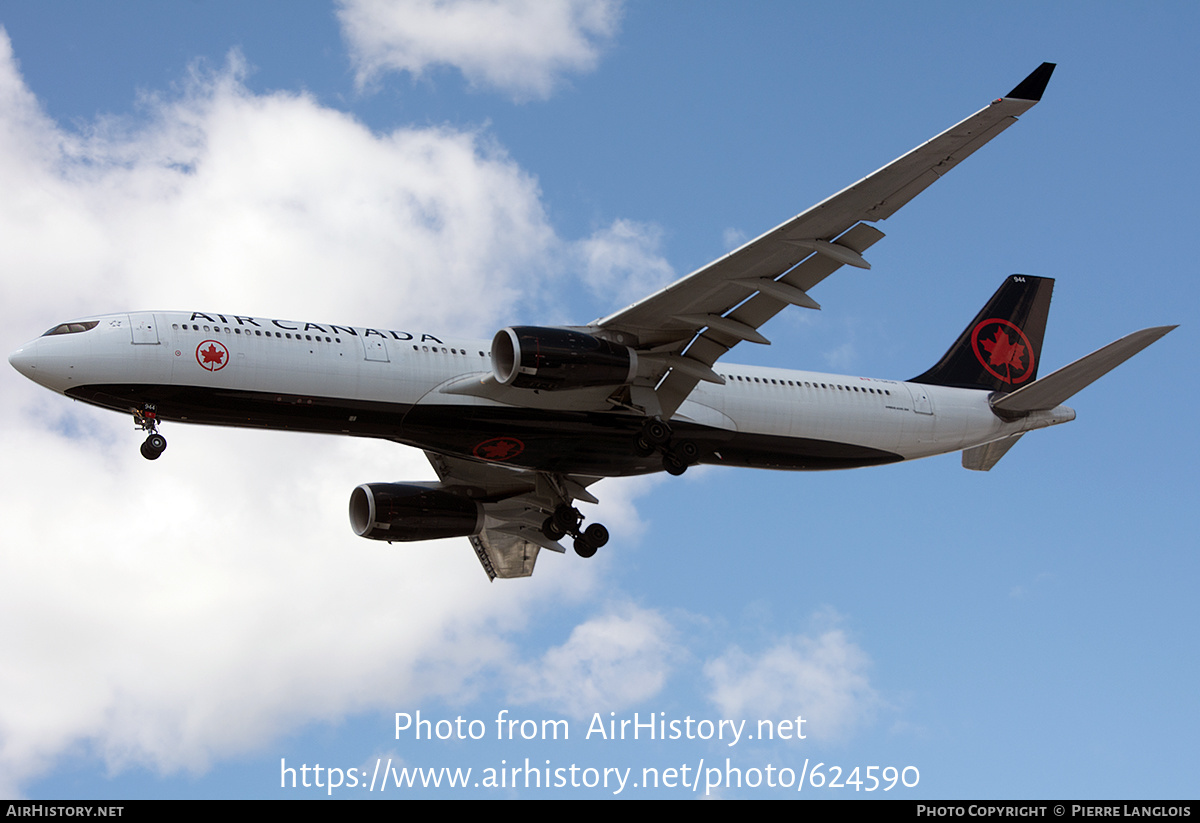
{"points": [[531, 357], [405, 512]]}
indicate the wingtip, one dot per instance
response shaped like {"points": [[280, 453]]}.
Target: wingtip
{"points": [[1032, 87]]}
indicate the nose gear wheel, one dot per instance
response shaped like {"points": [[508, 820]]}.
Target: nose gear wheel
{"points": [[146, 419], [153, 446]]}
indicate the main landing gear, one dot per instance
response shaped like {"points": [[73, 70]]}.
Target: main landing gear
{"points": [[677, 455], [146, 419], [567, 520]]}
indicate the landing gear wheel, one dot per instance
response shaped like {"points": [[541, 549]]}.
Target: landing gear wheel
{"points": [[596, 535], [146, 419], [673, 465], [552, 531], [566, 519], [656, 432], [154, 446], [686, 451], [642, 448]]}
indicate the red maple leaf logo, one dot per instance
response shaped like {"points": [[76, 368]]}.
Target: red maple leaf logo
{"points": [[1007, 353], [499, 448], [498, 451], [212, 355], [1004, 352]]}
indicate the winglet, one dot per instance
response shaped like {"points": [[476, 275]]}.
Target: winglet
{"points": [[1031, 87]]}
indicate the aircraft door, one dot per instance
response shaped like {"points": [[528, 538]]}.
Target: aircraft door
{"points": [[375, 348], [920, 398], [144, 327]]}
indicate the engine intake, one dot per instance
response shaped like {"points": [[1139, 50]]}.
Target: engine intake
{"points": [[531, 357], [405, 512]]}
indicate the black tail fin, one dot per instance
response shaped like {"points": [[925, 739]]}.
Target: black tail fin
{"points": [[1001, 348]]}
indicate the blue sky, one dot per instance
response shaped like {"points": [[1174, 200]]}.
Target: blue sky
{"points": [[176, 629]]}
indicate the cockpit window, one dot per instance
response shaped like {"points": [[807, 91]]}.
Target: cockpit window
{"points": [[72, 328]]}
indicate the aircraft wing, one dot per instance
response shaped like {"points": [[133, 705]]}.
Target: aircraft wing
{"points": [[515, 504], [682, 330]]}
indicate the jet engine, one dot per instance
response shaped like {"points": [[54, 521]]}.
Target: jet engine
{"points": [[531, 357], [406, 511]]}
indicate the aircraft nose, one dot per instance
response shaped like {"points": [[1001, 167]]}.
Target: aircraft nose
{"points": [[24, 360]]}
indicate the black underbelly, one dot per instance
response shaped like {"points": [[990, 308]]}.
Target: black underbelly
{"points": [[567, 442]]}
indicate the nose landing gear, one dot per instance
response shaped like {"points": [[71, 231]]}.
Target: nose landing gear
{"points": [[146, 419], [567, 520], [153, 446]]}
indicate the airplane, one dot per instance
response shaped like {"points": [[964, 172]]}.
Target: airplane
{"points": [[517, 428]]}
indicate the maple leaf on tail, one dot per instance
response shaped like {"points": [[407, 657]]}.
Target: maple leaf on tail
{"points": [[1002, 351]]}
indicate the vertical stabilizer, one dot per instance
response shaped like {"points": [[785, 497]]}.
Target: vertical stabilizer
{"points": [[1001, 348]]}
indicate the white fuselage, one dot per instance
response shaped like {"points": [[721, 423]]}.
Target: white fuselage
{"points": [[433, 392]]}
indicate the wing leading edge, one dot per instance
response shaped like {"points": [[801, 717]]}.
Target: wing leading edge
{"points": [[683, 329]]}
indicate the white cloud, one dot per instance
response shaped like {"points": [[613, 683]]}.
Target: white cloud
{"points": [[822, 678], [166, 614], [622, 262], [608, 663], [522, 47], [274, 204]]}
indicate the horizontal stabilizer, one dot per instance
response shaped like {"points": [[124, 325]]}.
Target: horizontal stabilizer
{"points": [[1054, 389], [982, 458]]}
